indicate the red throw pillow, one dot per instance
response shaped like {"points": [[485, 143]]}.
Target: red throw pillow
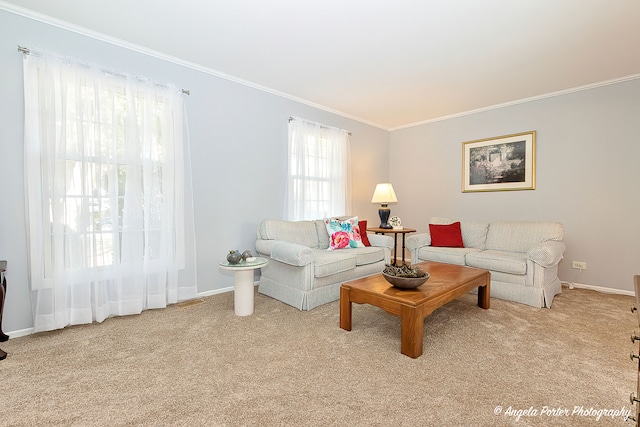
{"points": [[448, 236], [362, 224]]}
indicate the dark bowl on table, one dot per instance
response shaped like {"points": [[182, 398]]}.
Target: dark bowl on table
{"points": [[406, 282]]}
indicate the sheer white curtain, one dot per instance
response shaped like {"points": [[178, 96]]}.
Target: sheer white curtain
{"points": [[108, 193], [319, 172]]}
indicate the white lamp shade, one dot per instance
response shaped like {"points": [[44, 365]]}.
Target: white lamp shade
{"points": [[384, 194]]}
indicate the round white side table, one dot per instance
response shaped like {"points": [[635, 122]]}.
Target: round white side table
{"points": [[243, 284]]}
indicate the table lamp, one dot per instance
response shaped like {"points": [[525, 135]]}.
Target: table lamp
{"points": [[384, 195]]}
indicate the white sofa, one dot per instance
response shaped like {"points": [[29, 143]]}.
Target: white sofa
{"points": [[302, 272], [522, 256]]}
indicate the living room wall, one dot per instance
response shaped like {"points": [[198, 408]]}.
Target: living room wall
{"points": [[238, 148], [587, 176]]}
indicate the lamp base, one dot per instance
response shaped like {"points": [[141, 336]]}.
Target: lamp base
{"points": [[384, 213]]}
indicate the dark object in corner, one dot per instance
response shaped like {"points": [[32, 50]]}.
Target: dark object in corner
{"points": [[3, 292]]}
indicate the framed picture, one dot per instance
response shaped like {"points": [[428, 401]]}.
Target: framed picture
{"points": [[499, 164]]}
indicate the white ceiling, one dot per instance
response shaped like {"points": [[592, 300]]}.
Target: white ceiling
{"points": [[389, 63]]}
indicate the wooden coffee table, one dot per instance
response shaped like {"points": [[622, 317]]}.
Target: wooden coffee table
{"points": [[447, 282]]}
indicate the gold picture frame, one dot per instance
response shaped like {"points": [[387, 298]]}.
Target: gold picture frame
{"points": [[503, 163]]}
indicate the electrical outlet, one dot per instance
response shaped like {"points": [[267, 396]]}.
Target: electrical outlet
{"points": [[579, 265]]}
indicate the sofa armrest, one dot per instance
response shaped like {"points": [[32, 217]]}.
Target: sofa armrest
{"points": [[419, 240], [263, 246], [547, 254], [380, 240], [288, 253]]}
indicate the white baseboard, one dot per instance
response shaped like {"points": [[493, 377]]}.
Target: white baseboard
{"points": [[220, 291], [29, 331], [598, 288], [20, 333], [215, 292]]}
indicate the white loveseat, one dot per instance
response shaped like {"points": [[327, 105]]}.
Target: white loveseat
{"points": [[522, 256], [302, 272]]}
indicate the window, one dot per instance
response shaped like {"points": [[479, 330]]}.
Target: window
{"points": [[319, 179], [92, 198], [110, 232]]}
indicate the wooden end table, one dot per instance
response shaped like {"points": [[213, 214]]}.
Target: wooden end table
{"points": [[447, 282], [395, 232]]}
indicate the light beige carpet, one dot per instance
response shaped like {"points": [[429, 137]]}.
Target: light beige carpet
{"points": [[201, 365]]}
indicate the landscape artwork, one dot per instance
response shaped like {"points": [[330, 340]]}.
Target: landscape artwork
{"points": [[501, 163]]}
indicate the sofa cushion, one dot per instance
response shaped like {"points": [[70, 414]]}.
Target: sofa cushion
{"points": [[446, 255], [327, 263], [368, 255], [446, 235], [343, 234], [323, 236], [506, 262], [299, 232], [521, 236], [474, 234]]}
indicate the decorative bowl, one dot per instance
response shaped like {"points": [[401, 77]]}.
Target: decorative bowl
{"points": [[406, 282]]}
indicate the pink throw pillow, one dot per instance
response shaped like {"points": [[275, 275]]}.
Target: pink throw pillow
{"points": [[343, 234]]}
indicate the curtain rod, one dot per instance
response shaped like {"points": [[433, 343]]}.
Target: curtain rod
{"points": [[27, 51], [314, 123]]}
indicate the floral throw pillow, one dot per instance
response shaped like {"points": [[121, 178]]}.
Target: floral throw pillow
{"points": [[343, 234]]}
